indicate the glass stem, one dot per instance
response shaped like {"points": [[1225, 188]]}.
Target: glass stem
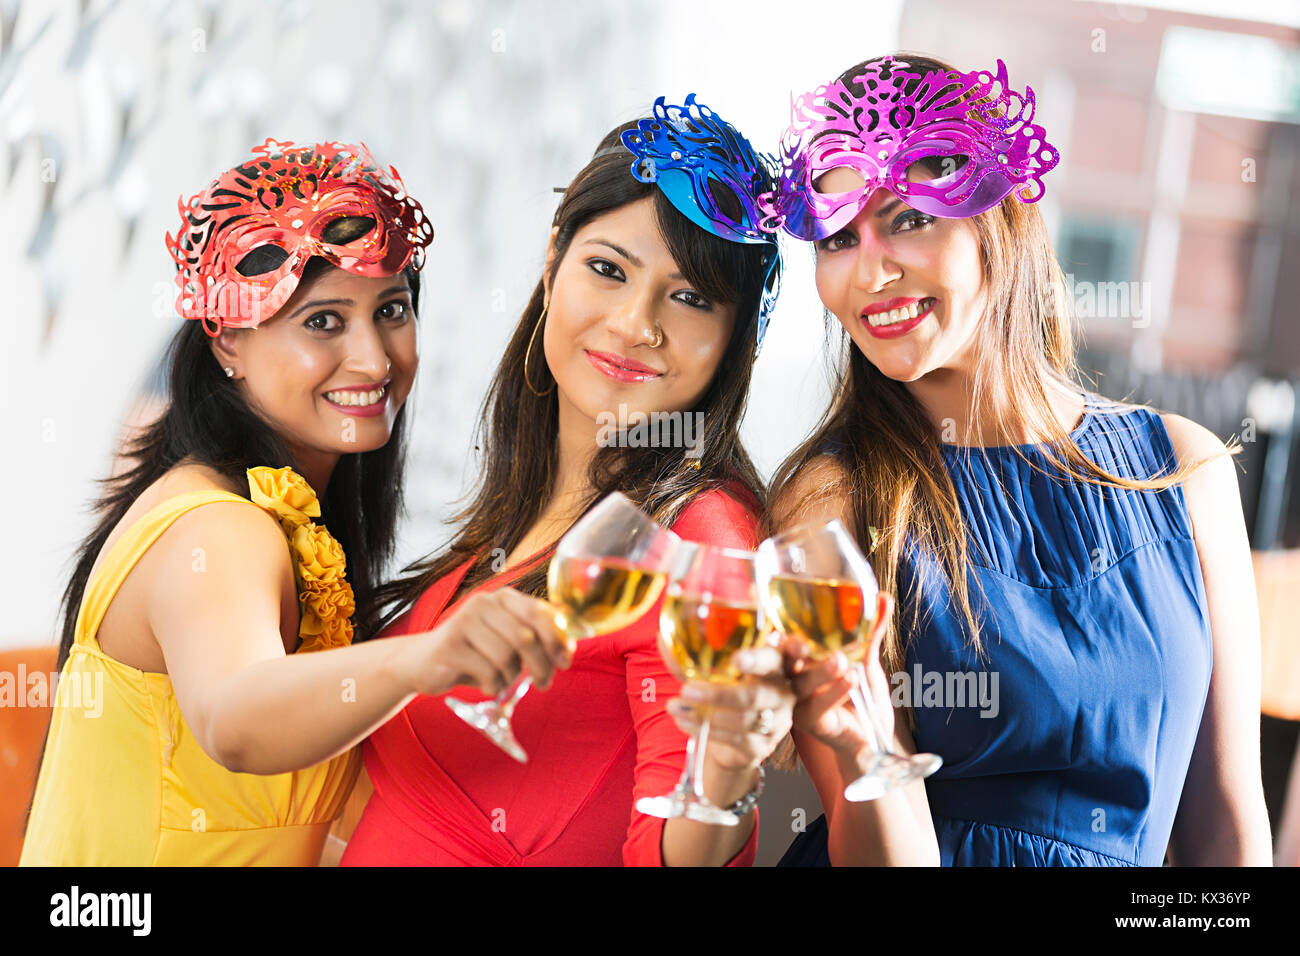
{"points": [[866, 713], [693, 779], [512, 695]]}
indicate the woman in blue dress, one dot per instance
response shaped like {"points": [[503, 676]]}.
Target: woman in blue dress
{"points": [[1086, 560]]}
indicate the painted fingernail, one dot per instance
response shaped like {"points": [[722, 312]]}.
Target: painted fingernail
{"points": [[693, 693], [745, 659]]}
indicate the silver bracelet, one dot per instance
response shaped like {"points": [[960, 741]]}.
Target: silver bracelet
{"points": [[750, 800]]}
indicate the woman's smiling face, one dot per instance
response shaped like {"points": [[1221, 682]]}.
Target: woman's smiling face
{"points": [[893, 257], [617, 284], [333, 367]]}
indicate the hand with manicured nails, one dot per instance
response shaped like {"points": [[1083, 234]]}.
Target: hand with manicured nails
{"points": [[734, 709], [821, 687], [491, 639]]}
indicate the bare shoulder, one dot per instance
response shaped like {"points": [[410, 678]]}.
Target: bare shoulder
{"points": [[1192, 442], [819, 491], [211, 552], [180, 479], [190, 567], [1212, 493], [234, 527]]}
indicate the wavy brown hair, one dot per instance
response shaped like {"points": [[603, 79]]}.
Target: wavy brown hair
{"points": [[892, 473], [518, 429]]}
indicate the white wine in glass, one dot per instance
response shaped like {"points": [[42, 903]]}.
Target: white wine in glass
{"points": [[825, 613], [704, 637], [601, 595], [820, 589], [711, 612], [607, 571]]}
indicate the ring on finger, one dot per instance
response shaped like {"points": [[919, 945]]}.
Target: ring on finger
{"points": [[763, 722]]}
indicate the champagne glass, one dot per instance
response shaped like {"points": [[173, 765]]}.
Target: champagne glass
{"points": [[711, 612], [820, 589], [607, 571]]}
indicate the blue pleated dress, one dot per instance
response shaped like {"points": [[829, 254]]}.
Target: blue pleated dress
{"points": [[1095, 626]]}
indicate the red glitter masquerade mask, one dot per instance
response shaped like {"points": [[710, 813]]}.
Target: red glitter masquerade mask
{"points": [[246, 239]]}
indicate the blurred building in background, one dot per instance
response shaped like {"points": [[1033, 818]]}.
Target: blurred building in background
{"points": [[1175, 213], [1176, 207]]}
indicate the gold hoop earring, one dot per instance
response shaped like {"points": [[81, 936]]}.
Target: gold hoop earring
{"points": [[528, 353]]}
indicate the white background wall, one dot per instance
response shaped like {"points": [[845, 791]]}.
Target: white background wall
{"points": [[109, 114]]}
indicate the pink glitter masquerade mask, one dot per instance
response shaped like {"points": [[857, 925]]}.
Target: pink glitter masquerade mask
{"points": [[934, 148], [245, 240]]}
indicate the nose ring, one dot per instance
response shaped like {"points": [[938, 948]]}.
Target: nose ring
{"points": [[659, 338]]}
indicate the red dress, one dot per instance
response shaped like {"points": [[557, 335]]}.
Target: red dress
{"points": [[597, 740]]}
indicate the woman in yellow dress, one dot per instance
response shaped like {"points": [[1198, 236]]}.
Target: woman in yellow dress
{"points": [[191, 726]]}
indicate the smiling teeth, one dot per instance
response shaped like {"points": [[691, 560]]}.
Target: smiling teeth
{"points": [[900, 315], [357, 398]]}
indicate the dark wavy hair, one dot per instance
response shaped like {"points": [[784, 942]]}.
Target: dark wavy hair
{"points": [[517, 429], [208, 421]]}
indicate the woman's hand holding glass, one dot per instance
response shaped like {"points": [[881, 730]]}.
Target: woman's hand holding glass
{"points": [[490, 639], [747, 719], [820, 589], [822, 688], [608, 570], [711, 620]]}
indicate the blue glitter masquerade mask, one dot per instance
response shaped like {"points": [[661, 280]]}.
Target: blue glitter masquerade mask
{"points": [[713, 177]]}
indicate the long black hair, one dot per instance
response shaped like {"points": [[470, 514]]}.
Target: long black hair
{"points": [[208, 421], [518, 430]]}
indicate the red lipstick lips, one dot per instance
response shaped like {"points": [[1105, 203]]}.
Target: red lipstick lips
{"points": [[362, 411], [896, 329], [620, 368]]}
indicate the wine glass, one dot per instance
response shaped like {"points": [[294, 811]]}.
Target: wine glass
{"points": [[711, 612], [607, 571], [820, 589]]}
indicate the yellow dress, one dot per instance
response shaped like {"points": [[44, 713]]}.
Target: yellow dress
{"points": [[124, 782]]}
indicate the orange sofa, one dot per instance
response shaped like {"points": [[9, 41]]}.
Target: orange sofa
{"points": [[1277, 581], [22, 732]]}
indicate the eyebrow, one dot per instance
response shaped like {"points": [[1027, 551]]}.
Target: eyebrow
{"points": [[887, 206], [317, 303], [676, 276]]}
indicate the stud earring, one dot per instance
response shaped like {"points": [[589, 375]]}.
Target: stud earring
{"points": [[230, 372]]}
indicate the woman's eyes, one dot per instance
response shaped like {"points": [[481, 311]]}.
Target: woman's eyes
{"points": [[841, 240], [910, 220], [920, 220], [607, 269], [392, 312], [315, 322], [693, 299]]}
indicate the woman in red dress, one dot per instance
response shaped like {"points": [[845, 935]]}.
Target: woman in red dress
{"points": [[641, 311]]}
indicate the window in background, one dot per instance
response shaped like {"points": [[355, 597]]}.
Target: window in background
{"points": [[1098, 250]]}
